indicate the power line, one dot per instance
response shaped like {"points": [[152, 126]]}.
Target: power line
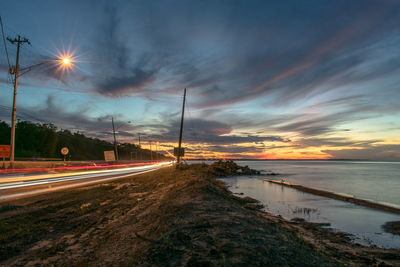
{"points": [[190, 119], [24, 115], [5, 43]]}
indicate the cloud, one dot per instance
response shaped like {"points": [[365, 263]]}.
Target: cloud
{"points": [[258, 72], [231, 53], [377, 152], [210, 132], [235, 149], [332, 142], [126, 85], [115, 74], [49, 112], [322, 124]]}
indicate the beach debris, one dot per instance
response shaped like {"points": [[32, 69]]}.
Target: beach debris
{"points": [[298, 220], [271, 173], [392, 227], [307, 211], [85, 206]]}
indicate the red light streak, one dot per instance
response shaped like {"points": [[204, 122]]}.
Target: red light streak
{"points": [[97, 166]]}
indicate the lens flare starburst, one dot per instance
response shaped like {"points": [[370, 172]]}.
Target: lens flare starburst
{"points": [[65, 63]]}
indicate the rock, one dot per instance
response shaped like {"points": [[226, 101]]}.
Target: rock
{"points": [[392, 227], [298, 220], [253, 206]]}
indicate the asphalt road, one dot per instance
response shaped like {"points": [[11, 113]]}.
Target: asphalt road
{"points": [[22, 185]]}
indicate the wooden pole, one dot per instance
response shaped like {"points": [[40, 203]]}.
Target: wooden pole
{"points": [[180, 132]]}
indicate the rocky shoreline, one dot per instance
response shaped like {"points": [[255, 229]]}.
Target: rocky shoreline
{"points": [[171, 217]]}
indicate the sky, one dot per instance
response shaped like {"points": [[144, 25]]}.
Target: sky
{"points": [[315, 79]]}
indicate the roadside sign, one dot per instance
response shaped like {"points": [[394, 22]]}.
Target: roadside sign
{"points": [[109, 155], [5, 151], [179, 153], [64, 151]]}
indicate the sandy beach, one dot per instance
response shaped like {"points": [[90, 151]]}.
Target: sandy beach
{"points": [[173, 217]]}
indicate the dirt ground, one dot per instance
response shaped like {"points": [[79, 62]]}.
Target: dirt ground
{"points": [[171, 217]]}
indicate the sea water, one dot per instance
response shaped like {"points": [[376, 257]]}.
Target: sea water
{"points": [[374, 181], [377, 181]]}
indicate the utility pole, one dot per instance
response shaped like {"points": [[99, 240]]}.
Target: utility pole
{"points": [[115, 140], [140, 148], [19, 41], [180, 132], [151, 152], [157, 151]]}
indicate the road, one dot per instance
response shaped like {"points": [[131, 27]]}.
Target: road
{"points": [[24, 185]]}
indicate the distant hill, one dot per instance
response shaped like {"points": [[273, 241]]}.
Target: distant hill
{"points": [[35, 140]]}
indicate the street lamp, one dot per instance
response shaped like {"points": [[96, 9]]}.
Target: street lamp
{"points": [[115, 139], [63, 61], [66, 61]]}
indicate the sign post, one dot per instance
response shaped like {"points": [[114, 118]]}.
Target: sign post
{"points": [[5, 152], [109, 155], [179, 152], [64, 152]]}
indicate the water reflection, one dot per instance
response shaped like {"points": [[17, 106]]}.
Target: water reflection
{"points": [[364, 223]]}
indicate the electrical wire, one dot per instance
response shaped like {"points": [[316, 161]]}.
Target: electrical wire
{"points": [[5, 43], [190, 119], [24, 115]]}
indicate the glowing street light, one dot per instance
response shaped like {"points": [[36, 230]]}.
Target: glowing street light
{"points": [[64, 61]]}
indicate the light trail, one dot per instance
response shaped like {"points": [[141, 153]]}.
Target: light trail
{"points": [[29, 185], [96, 166]]}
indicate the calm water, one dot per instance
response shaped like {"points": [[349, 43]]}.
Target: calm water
{"points": [[377, 181]]}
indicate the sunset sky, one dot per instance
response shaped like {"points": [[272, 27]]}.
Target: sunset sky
{"points": [[265, 79]]}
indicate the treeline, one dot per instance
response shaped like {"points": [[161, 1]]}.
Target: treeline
{"points": [[34, 141]]}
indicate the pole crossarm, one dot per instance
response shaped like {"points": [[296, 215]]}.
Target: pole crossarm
{"points": [[15, 40]]}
